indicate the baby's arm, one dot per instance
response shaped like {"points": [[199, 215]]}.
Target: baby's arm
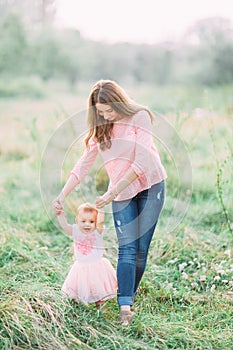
{"points": [[100, 222], [64, 224]]}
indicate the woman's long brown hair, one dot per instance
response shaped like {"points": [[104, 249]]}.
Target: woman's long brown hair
{"points": [[110, 93]]}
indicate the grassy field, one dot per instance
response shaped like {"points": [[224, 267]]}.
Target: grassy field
{"points": [[186, 296]]}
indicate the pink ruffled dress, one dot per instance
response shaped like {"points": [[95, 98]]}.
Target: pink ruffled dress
{"points": [[92, 277]]}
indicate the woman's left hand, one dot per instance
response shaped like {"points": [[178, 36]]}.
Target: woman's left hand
{"points": [[104, 200]]}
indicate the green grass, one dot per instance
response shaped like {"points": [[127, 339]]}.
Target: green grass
{"points": [[185, 299], [31, 87]]}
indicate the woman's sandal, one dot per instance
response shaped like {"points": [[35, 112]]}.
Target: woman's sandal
{"points": [[126, 317]]}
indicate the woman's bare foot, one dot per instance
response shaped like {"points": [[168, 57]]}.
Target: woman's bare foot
{"points": [[100, 305]]}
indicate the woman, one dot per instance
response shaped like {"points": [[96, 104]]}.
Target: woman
{"points": [[121, 131]]}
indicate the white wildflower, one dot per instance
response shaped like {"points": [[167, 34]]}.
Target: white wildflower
{"points": [[225, 281], [182, 266], [218, 267], [217, 278], [173, 261], [184, 275], [221, 272], [202, 278], [228, 253], [212, 288], [194, 284]]}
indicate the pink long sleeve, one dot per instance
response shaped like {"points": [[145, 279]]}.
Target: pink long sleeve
{"points": [[84, 164], [143, 143]]}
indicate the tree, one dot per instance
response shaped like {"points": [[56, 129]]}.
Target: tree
{"points": [[214, 52], [13, 45], [213, 31], [34, 13]]}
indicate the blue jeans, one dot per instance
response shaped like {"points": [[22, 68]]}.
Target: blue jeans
{"points": [[135, 221]]}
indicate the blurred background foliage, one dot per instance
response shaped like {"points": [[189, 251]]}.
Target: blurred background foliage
{"points": [[31, 46]]}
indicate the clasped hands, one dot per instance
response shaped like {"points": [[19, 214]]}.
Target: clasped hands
{"points": [[58, 203]]}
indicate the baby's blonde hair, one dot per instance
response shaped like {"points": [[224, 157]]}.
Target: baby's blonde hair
{"points": [[87, 207]]}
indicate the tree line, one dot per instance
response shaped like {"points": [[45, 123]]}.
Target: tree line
{"points": [[205, 56]]}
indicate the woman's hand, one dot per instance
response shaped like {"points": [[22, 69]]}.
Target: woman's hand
{"points": [[58, 204], [107, 198]]}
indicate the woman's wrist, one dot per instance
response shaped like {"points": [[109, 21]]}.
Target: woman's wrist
{"points": [[61, 196], [113, 193]]}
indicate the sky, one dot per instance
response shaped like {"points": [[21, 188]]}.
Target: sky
{"points": [[138, 21]]}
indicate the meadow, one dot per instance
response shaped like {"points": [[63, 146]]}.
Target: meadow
{"points": [[186, 297]]}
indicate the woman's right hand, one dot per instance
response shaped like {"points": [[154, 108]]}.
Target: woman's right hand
{"points": [[58, 204]]}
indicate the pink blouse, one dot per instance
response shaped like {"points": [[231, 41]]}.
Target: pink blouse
{"points": [[132, 146]]}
